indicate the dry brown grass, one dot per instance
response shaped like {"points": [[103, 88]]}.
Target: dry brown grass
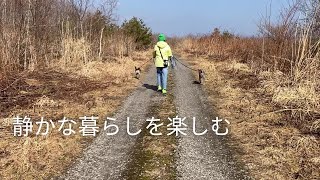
{"points": [[268, 86], [95, 88], [271, 146]]}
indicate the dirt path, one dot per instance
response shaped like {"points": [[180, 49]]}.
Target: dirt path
{"points": [[107, 156], [200, 157], [196, 157]]}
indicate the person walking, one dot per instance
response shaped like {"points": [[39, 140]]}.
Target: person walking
{"points": [[162, 54]]}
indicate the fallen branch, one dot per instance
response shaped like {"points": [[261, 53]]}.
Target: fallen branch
{"points": [[284, 110]]}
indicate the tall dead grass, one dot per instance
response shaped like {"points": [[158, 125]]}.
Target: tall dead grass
{"points": [[268, 87], [285, 58], [78, 81], [75, 51], [271, 147], [95, 88]]}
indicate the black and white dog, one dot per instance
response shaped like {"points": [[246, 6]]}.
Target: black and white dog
{"points": [[137, 72]]}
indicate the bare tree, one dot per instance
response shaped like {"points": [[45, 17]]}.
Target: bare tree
{"points": [[33, 32]]}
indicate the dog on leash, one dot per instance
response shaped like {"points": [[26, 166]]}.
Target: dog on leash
{"points": [[137, 72], [202, 76]]}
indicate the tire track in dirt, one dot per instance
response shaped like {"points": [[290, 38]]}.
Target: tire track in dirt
{"points": [[201, 157], [196, 157], [108, 156], [154, 156]]}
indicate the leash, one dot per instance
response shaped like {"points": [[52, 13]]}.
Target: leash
{"points": [[185, 65], [201, 73], [145, 63]]}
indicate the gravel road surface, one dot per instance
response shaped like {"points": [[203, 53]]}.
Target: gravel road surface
{"points": [[200, 157], [197, 157], [107, 156]]}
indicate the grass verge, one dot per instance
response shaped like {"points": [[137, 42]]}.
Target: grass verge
{"points": [[271, 146], [153, 156], [93, 89]]}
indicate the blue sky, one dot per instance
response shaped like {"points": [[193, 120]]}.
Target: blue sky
{"points": [[181, 17]]}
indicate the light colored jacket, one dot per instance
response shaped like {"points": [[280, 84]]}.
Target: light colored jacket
{"points": [[165, 51]]}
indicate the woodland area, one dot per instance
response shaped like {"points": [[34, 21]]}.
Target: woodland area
{"points": [[37, 33], [61, 58]]}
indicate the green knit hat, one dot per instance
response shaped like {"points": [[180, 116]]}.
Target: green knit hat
{"points": [[162, 37]]}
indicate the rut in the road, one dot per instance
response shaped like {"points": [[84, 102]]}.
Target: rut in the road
{"points": [[107, 156], [154, 156], [207, 156], [196, 157]]}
